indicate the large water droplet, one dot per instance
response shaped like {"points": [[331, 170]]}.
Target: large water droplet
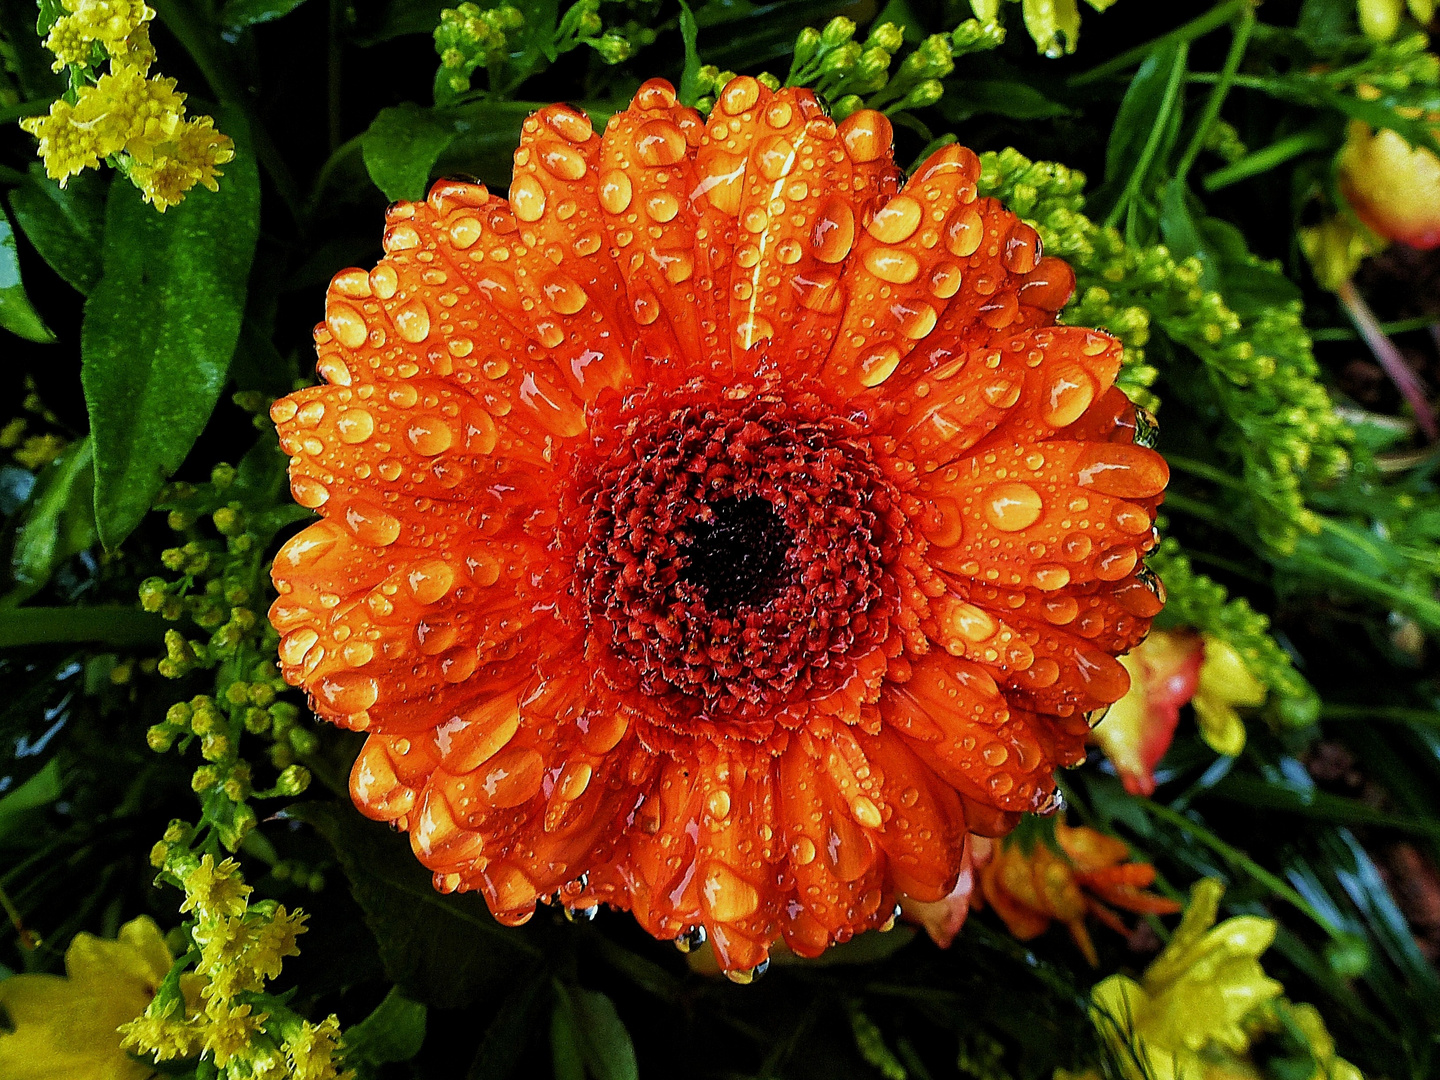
{"points": [[1012, 506]]}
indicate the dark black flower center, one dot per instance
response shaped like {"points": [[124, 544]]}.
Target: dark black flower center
{"points": [[738, 556]]}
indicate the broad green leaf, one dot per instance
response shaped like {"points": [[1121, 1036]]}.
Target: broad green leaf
{"points": [[1178, 230], [59, 520], [395, 1031], [1001, 97], [509, 1033], [566, 1057], [241, 13], [66, 225], [160, 328], [587, 1018], [39, 791], [16, 314], [443, 950], [402, 146]]}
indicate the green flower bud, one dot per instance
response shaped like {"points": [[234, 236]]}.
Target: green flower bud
{"points": [[204, 779], [293, 780], [886, 36], [304, 742], [614, 48], [837, 31], [152, 594], [173, 558], [767, 80], [215, 746], [160, 738], [807, 43]]}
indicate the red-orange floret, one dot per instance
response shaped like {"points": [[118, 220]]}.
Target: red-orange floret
{"points": [[715, 528]]}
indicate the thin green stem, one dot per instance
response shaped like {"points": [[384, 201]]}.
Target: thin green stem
{"points": [[1204, 471], [1277, 153], [1157, 132], [109, 624], [1240, 861], [1422, 608], [1391, 714], [1400, 326], [22, 109], [1213, 19], [1238, 44]]}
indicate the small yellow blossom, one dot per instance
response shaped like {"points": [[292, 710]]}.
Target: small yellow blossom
{"points": [[69, 1027], [1200, 1005], [40, 450], [312, 1050], [230, 1029], [1392, 186], [189, 154], [275, 940], [1225, 684], [214, 891]]}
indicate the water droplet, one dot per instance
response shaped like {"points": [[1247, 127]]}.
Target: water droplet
{"points": [[1127, 472], [615, 191], [413, 321], [563, 295], [465, 231], [296, 644], [429, 581], [1147, 428], [969, 621], [945, 280], [582, 914], [1070, 394], [347, 324], [1012, 506], [834, 231], [354, 426], [746, 976], [691, 939], [802, 851], [348, 691], [384, 281], [1049, 578], [893, 265], [659, 142], [728, 896], [897, 220], [965, 232], [879, 365], [775, 156], [662, 207], [561, 161], [371, 525], [866, 812], [309, 492], [739, 94], [865, 135], [527, 198], [1020, 252], [994, 755]]}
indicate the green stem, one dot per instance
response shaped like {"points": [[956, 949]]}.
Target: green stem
{"points": [[1423, 609], [1238, 44], [1157, 132], [1348, 333], [1393, 714], [1204, 471], [1240, 860], [22, 109], [1277, 153], [1213, 19], [122, 627]]}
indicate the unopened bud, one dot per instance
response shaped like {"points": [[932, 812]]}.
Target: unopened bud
{"points": [[293, 780]]}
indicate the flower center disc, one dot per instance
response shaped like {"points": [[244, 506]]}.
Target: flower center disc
{"points": [[735, 548]]}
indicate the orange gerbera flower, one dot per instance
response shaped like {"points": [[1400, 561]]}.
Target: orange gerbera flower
{"points": [[713, 529], [1030, 889]]}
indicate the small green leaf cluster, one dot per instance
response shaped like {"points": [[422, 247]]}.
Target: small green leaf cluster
{"points": [[468, 38]]}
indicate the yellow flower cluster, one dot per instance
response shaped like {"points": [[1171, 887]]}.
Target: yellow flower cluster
{"points": [[126, 116], [1204, 1001], [239, 946]]}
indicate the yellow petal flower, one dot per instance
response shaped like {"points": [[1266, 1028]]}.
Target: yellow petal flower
{"points": [[1225, 683], [1394, 187], [67, 1028], [213, 890]]}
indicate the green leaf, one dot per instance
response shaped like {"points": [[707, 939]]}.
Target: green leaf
{"points": [[443, 950], [402, 146], [39, 791], [690, 77], [1001, 97], [395, 1031], [1178, 230], [160, 328], [66, 225], [59, 519], [587, 1019], [16, 314], [565, 1054], [508, 1035], [241, 13], [1141, 110]]}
